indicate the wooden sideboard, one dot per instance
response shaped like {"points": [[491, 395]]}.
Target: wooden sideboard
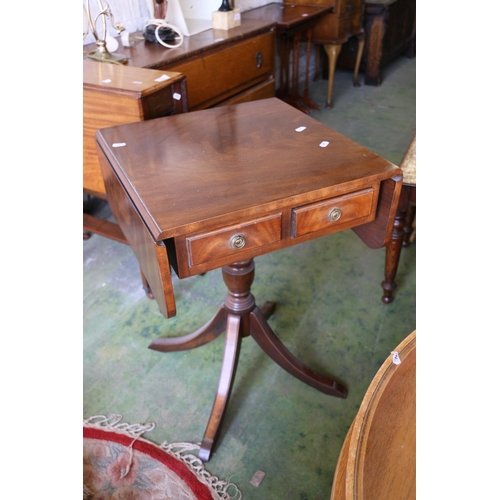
{"points": [[221, 66], [333, 30]]}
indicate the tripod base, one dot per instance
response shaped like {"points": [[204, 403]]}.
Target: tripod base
{"points": [[240, 317]]}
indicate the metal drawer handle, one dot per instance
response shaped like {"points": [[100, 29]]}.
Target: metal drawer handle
{"points": [[258, 58], [237, 241], [335, 214]]}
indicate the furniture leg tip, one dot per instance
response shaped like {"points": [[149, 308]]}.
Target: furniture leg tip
{"points": [[205, 450], [341, 390]]}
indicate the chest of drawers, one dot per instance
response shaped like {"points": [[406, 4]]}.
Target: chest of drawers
{"points": [[246, 68]]}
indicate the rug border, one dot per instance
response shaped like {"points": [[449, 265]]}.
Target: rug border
{"points": [[200, 489]]}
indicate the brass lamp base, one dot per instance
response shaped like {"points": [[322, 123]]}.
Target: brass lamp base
{"points": [[102, 54], [109, 57]]}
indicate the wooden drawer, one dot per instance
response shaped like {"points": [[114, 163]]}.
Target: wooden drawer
{"points": [[233, 240], [218, 76], [344, 211]]}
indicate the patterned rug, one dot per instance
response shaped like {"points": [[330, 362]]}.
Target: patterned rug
{"points": [[119, 464]]}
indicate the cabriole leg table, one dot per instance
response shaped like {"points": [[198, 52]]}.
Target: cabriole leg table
{"points": [[214, 189]]}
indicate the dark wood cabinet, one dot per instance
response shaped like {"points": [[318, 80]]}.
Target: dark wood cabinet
{"points": [[390, 31]]}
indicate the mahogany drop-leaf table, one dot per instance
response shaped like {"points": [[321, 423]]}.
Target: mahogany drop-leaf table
{"points": [[216, 188]]}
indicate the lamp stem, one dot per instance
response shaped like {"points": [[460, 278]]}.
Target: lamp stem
{"points": [[225, 6]]}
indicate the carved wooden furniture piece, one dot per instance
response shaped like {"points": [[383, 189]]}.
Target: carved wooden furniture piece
{"points": [[333, 30], [390, 27], [390, 32], [293, 22], [403, 221], [378, 458], [112, 95], [217, 188], [221, 66]]}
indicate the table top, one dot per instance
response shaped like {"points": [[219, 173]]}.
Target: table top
{"points": [[210, 168], [202, 190], [124, 79], [383, 431], [287, 16]]}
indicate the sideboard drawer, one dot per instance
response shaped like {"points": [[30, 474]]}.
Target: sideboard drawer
{"points": [[217, 76], [333, 212], [214, 245]]}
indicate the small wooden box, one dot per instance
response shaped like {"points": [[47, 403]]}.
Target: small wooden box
{"points": [[226, 20]]}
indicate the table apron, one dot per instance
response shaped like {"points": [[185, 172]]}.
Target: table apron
{"points": [[197, 253]]}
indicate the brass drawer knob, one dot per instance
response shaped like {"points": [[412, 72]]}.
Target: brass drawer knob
{"points": [[237, 241], [335, 214]]}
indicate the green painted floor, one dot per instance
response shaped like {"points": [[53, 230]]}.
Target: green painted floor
{"points": [[329, 314]]}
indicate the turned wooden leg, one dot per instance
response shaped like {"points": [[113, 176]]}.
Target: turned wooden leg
{"points": [[361, 46], [393, 248], [392, 253], [408, 226], [332, 52]]}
